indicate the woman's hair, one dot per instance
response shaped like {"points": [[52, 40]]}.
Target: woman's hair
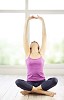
{"points": [[31, 47]]}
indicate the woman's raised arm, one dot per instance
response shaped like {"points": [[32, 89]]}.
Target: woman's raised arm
{"points": [[43, 46], [25, 36]]}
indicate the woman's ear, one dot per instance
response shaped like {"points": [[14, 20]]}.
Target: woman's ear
{"points": [[38, 47]]}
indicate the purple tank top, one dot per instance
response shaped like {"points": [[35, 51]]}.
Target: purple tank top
{"points": [[35, 71]]}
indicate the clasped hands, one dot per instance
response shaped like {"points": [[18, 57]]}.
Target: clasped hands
{"points": [[33, 17]]}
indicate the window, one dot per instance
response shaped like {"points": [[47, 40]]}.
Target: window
{"points": [[11, 38], [55, 38], [12, 4], [12, 20], [46, 4]]}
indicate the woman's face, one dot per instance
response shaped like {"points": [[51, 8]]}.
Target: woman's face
{"points": [[34, 46]]}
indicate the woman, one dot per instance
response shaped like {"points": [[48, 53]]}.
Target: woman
{"points": [[36, 82]]}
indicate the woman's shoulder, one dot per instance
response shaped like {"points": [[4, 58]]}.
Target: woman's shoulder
{"points": [[31, 57]]}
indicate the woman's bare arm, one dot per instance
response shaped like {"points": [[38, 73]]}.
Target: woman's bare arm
{"points": [[43, 46], [25, 36]]}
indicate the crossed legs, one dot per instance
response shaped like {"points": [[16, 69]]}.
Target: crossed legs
{"points": [[41, 89], [38, 91]]}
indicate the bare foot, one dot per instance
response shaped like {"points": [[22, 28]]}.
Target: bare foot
{"points": [[25, 92], [39, 88], [48, 93]]}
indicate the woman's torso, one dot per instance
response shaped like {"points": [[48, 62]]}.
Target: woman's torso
{"points": [[35, 71]]}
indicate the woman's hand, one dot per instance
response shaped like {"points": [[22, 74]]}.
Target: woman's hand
{"points": [[38, 17], [31, 17]]}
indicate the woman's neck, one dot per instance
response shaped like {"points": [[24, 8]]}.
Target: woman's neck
{"points": [[35, 54]]}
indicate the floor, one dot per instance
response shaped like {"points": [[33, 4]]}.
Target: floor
{"points": [[9, 91]]}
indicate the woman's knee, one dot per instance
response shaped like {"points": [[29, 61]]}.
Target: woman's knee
{"points": [[55, 80], [18, 81]]}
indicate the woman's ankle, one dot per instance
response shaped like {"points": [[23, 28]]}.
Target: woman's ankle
{"points": [[34, 89], [39, 87]]}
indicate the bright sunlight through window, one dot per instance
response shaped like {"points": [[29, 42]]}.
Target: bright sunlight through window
{"points": [[12, 19]]}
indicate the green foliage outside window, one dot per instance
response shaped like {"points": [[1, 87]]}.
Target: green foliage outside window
{"points": [[9, 56]]}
